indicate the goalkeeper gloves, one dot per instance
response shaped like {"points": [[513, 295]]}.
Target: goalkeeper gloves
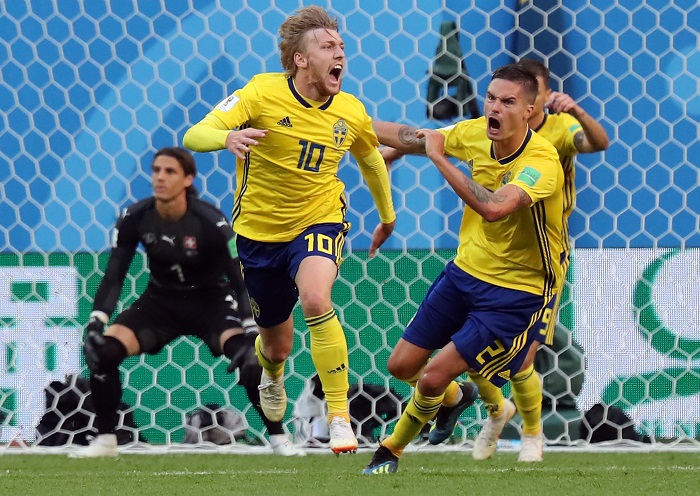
{"points": [[244, 352], [94, 338]]}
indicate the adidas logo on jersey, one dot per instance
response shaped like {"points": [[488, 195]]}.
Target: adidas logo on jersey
{"points": [[285, 122]]}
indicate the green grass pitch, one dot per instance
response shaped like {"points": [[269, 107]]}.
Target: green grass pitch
{"points": [[674, 473]]}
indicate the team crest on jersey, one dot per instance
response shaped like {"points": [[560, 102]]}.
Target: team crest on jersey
{"points": [[190, 243], [506, 178], [340, 132], [255, 308], [148, 239]]}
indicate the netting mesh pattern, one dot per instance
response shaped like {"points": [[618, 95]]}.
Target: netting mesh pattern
{"points": [[90, 90]]}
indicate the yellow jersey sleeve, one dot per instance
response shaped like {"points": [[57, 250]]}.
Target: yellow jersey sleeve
{"points": [[538, 176], [374, 171]]}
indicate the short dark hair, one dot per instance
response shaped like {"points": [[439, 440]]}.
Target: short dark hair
{"points": [[186, 161], [537, 68], [520, 75]]}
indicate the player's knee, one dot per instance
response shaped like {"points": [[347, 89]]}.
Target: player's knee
{"points": [[315, 302], [400, 369], [103, 353], [278, 354], [432, 382]]}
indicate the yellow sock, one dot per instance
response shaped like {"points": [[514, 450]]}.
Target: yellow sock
{"points": [[453, 394], [329, 352], [274, 369], [527, 395], [419, 411], [491, 395]]}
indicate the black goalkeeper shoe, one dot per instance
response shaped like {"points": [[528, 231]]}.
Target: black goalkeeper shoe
{"points": [[447, 416], [383, 462]]}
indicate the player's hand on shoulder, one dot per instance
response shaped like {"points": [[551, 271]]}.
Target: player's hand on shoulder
{"points": [[239, 142], [434, 142], [561, 102]]}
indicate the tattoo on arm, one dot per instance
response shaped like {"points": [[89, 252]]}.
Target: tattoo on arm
{"points": [[578, 140], [485, 195], [407, 136], [523, 198], [482, 194]]}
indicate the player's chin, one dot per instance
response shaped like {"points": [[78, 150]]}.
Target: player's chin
{"points": [[493, 134], [333, 86]]}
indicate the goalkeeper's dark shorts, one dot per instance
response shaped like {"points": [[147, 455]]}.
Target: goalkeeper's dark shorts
{"points": [[158, 318], [491, 326]]}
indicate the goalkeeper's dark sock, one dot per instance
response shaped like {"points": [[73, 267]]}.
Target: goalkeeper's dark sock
{"points": [[106, 386], [106, 392]]}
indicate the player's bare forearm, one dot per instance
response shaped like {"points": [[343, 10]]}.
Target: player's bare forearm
{"points": [[593, 137], [399, 136], [490, 205]]}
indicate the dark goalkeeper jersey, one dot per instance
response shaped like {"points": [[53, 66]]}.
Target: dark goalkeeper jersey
{"points": [[195, 254]]}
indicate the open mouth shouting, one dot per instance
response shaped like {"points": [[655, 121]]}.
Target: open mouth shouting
{"points": [[336, 73], [493, 125]]}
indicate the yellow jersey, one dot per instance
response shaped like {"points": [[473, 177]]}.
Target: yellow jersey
{"points": [[559, 130], [289, 181], [522, 250]]}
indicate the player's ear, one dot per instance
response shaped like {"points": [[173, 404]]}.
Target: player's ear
{"points": [[189, 179], [300, 60]]}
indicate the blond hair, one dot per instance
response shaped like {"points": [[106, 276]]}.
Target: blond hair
{"points": [[295, 27]]}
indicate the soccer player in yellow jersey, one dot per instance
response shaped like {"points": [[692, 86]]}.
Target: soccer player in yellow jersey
{"points": [[562, 122], [290, 131], [489, 309]]}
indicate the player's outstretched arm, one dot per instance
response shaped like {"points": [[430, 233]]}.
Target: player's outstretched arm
{"points": [[491, 205], [390, 155], [239, 142], [211, 134], [374, 171], [593, 138], [401, 137]]}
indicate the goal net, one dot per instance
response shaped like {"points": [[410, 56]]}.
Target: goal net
{"points": [[90, 90]]}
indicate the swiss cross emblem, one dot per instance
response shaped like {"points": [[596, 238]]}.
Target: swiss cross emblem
{"points": [[190, 243]]}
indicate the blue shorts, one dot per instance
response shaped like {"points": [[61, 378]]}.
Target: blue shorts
{"points": [[491, 326], [269, 269]]}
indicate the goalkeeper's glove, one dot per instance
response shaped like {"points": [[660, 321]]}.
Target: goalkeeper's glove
{"points": [[94, 338], [249, 325], [245, 352]]}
